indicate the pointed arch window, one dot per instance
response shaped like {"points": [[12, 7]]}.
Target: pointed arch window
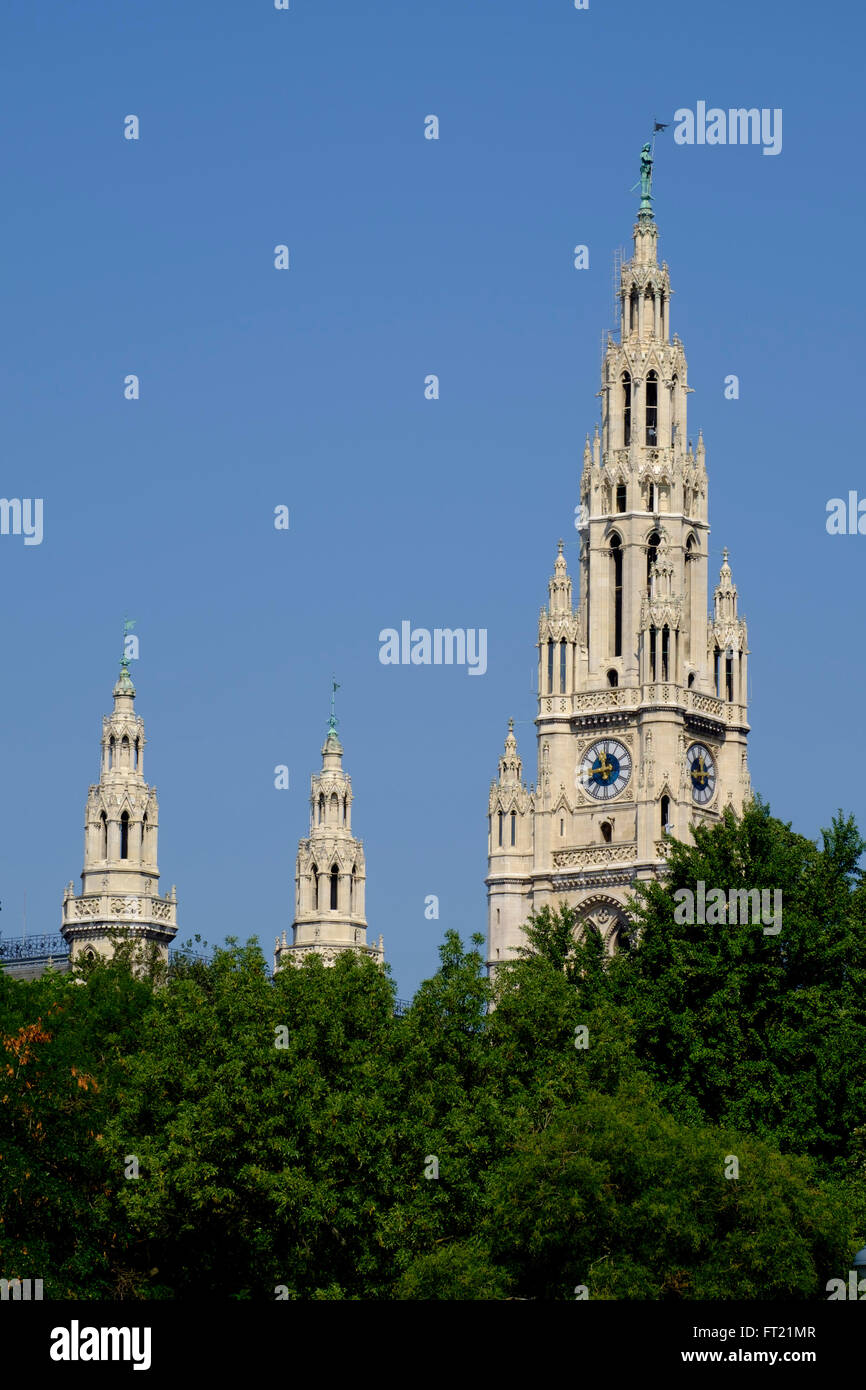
{"points": [[335, 809], [652, 408], [616, 565], [514, 827], [136, 751], [144, 828], [621, 497], [606, 831], [666, 634], [652, 550], [321, 809], [550, 668], [562, 660], [729, 675], [673, 411], [500, 828], [314, 887], [613, 677], [626, 408], [335, 885], [110, 753], [124, 834], [665, 813], [103, 836]]}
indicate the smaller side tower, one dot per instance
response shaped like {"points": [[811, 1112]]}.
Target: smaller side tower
{"points": [[330, 874], [120, 880]]}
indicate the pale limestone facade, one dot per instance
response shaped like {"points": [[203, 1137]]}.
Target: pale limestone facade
{"points": [[642, 719], [120, 880], [330, 873]]}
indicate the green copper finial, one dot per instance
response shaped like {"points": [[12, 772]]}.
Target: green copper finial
{"points": [[128, 625], [646, 172], [333, 721]]}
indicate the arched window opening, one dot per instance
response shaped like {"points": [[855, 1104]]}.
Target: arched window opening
{"points": [[345, 804], [626, 408], [550, 668], [124, 835], [353, 889], [616, 559], [137, 749], [620, 497], [144, 828], [562, 651], [561, 826], [124, 751], [652, 550], [314, 887], [321, 809], [500, 827], [716, 656], [651, 497], [335, 884], [606, 831], [673, 411], [652, 408], [665, 813], [691, 679], [612, 677], [729, 675], [652, 637], [335, 808], [514, 827], [110, 754], [103, 836], [632, 311], [666, 632]]}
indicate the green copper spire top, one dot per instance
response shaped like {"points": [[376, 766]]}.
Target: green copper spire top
{"points": [[124, 684], [333, 721], [647, 154]]}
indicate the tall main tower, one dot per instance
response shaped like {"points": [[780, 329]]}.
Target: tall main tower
{"points": [[642, 719], [330, 873], [120, 880]]}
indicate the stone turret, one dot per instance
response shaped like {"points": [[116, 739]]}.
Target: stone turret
{"points": [[120, 878]]}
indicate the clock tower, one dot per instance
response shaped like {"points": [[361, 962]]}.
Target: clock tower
{"points": [[642, 718]]}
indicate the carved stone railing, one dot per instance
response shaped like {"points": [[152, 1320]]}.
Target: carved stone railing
{"points": [[621, 697], [593, 856], [134, 909], [615, 698]]}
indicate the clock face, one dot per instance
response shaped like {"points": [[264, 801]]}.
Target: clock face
{"points": [[702, 771], [604, 769]]}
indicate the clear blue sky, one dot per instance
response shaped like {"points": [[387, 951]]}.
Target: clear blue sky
{"points": [[305, 387]]}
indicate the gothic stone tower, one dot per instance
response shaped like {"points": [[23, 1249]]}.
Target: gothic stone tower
{"points": [[330, 874], [642, 699], [119, 884]]}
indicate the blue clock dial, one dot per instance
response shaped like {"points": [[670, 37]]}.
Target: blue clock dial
{"points": [[605, 769], [702, 773]]}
